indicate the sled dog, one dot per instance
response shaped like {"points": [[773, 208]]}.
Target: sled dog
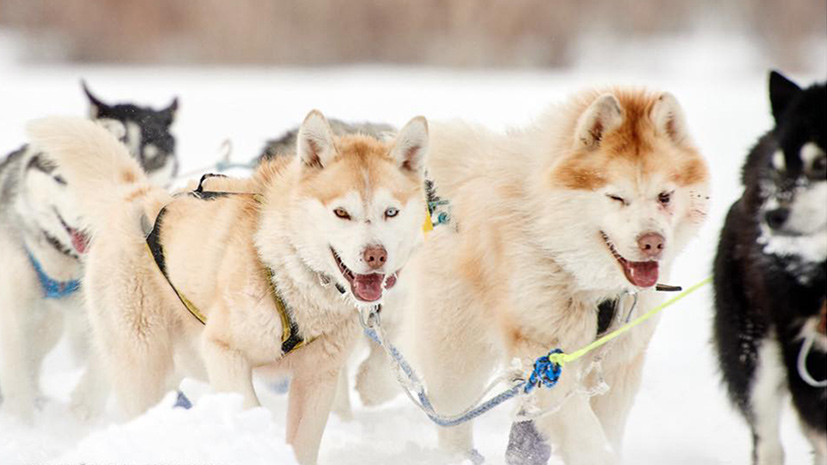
{"points": [[217, 283], [550, 224], [770, 284], [41, 243]]}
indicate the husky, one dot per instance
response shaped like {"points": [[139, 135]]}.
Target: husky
{"points": [[148, 134], [42, 242], [269, 272], [375, 382], [770, 285], [550, 223]]}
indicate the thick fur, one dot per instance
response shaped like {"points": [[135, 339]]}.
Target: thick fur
{"points": [[524, 265], [37, 217], [337, 194], [770, 274], [375, 382], [285, 144]]}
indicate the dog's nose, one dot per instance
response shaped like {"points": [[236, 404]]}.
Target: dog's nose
{"points": [[651, 244], [776, 218], [375, 256]]}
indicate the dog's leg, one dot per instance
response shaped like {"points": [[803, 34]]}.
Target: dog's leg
{"points": [[341, 403], [229, 370], [311, 396], [17, 378], [28, 330], [612, 408], [765, 402], [818, 440], [375, 380], [90, 395], [576, 433], [455, 374], [135, 350]]}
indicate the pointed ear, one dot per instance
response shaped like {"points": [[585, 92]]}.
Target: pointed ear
{"points": [[600, 118], [668, 118], [411, 145], [314, 144], [170, 111], [96, 107], [782, 92]]}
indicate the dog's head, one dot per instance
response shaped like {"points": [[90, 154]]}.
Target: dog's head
{"points": [[359, 206], [51, 214], [631, 190], [147, 134], [786, 176]]}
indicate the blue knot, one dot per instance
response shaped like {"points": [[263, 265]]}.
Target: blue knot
{"points": [[52, 289], [545, 373]]}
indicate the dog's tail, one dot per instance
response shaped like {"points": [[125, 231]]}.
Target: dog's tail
{"points": [[104, 178]]}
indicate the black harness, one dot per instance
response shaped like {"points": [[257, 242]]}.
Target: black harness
{"points": [[291, 339]]}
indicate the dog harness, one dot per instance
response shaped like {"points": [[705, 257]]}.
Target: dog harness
{"points": [[290, 337], [52, 288]]}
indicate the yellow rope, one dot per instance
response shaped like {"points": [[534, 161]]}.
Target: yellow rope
{"points": [[563, 358]]}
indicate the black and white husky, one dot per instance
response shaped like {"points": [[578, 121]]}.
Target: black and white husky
{"points": [[770, 276], [41, 244]]}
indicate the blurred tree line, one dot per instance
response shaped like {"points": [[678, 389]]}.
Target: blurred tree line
{"points": [[464, 33]]}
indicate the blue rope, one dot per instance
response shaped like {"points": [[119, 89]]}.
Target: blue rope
{"points": [[52, 289], [545, 373]]}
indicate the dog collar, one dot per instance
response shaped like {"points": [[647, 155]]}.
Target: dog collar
{"points": [[52, 288]]}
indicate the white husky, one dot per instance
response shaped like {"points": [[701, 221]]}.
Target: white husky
{"points": [[594, 200], [269, 272], [41, 244]]}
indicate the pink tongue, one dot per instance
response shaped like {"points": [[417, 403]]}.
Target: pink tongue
{"points": [[368, 287], [79, 241], [642, 274]]}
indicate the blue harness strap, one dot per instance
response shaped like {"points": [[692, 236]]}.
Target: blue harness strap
{"points": [[52, 289]]}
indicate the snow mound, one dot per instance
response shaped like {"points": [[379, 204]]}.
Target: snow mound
{"points": [[216, 430]]}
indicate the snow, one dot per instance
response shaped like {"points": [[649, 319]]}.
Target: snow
{"points": [[681, 415]]}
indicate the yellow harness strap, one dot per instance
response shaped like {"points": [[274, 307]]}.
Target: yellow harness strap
{"points": [[290, 338]]}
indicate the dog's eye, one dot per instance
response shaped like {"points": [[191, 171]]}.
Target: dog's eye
{"points": [[59, 179], [391, 212], [341, 213], [664, 198], [617, 198]]}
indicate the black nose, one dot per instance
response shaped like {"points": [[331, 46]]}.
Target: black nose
{"points": [[776, 218]]}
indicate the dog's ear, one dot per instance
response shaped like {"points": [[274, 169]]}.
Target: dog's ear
{"points": [[668, 118], [315, 145], [411, 145], [168, 113], [96, 106], [782, 92], [601, 117]]}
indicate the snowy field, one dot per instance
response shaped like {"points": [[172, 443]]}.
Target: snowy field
{"points": [[681, 416]]}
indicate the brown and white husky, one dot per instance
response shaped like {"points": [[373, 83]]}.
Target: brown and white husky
{"points": [[277, 273]]}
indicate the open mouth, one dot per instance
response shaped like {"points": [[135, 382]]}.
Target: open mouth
{"points": [[365, 287], [80, 240], [641, 274]]}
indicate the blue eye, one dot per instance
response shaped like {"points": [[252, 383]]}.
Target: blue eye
{"points": [[391, 212]]}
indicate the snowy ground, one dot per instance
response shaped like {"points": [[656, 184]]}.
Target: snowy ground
{"points": [[681, 415]]}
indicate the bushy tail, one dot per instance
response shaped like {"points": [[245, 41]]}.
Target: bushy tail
{"points": [[104, 178]]}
